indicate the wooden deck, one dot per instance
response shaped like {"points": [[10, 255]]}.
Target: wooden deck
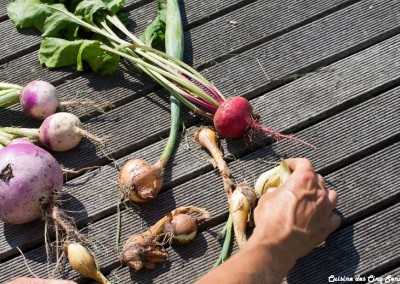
{"points": [[328, 71]]}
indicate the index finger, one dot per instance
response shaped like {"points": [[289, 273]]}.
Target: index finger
{"points": [[301, 164]]}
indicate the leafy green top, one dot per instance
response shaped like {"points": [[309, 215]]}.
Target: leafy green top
{"points": [[65, 42]]}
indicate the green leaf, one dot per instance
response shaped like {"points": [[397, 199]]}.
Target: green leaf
{"points": [[28, 13], [56, 52], [58, 24], [105, 64], [115, 5], [88, 8], [154, 34], [36, 13]]}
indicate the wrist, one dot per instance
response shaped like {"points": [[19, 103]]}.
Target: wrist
{"points": [[274, 250]]}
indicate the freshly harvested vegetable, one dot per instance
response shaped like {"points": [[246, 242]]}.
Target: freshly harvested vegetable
{"points": [[209, 140], [38, 99], [241, 197], [30, 182], [232, 117], [139, 180], [272, 178], [182, 228], [241, 206], [145, 250], [30, 179], [59, 132], [84, 262]]}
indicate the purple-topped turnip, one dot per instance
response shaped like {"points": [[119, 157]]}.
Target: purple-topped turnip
{"points": [[39, 99], [29, 178], [30, 183]]}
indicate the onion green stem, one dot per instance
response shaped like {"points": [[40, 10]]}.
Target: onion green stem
{"points": [[227, 230], [174, 46]]}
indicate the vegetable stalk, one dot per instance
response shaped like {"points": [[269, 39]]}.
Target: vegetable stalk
{"points": [[241, 197], [232, 117], [39, 99], [139, 180], [59, 132]]}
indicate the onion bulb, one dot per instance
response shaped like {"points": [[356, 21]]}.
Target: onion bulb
{"points": [[272, 178]]}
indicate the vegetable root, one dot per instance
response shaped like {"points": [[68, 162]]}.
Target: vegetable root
{"points": [[145, 250], [140, 181], [241, 206], [84, 262], [241, 198], [59, 132], [209, 140], [39, 99]]}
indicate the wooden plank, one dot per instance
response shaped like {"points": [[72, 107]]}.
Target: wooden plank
{"points": [[117, 129], [390, 277], [356, 83], [143, 13], [3, 10], [336, 257], [316, 44], [12, 71], [339, 134]]}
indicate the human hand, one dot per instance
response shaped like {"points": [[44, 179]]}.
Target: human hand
{"points": [[27, 280], [297, 216]]}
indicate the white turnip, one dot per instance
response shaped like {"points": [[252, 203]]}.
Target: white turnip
{"points": [[30, 183], [59, 132]]}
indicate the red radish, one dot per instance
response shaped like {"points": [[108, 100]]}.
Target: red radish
{"points": [[233, 117], [39, 99], [59, 132]]}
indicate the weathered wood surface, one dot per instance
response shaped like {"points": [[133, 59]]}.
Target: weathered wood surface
{"points": [[341, 146], [345, 81], [348, 109]]}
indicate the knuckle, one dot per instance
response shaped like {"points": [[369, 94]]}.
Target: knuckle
{"points": [[307, 177], [306, 163]]}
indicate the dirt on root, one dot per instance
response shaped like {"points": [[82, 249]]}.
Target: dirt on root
{"points": [[6, 174]]}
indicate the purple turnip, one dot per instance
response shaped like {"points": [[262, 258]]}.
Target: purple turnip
{"points": [[30, 183], [29, 178], [39, 99]]}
